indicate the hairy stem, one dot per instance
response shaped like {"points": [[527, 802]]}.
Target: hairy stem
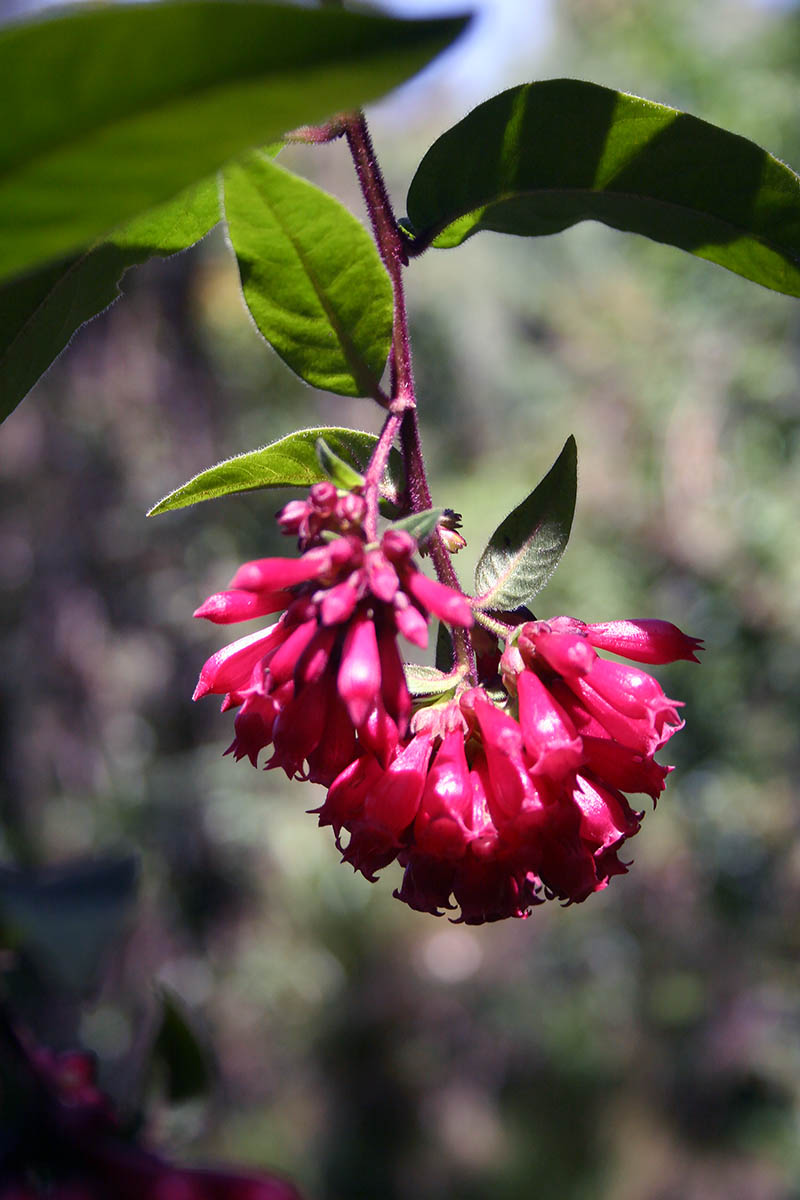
{"points": [[375, 472], [403, 403]]}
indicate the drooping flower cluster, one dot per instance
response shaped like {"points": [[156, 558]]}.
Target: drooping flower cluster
{"points": [[326, 681], [496, 793], [500, 806]]}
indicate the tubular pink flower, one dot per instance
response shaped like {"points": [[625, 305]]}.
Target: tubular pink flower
{"points": [[277, 574], [410, 622], [230, 668], [346, 602], [569, 654], [624, 769], [442, 601], [359, 676], [442, 826], [646, 641], [550, 737], [225, 608]]}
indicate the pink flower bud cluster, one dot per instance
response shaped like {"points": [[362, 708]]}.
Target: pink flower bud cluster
{"points": [[326, 682], [494, 797], [495, 808]]}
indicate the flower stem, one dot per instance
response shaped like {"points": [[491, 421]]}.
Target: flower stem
{"points": [[403, 404], [375, 471]]}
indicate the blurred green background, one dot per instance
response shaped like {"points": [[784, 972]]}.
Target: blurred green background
{"points": [[642, 1046]]}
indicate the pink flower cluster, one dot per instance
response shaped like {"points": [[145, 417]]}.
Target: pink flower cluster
{"points": [[326, 681], [501, 807], [492, 796]]}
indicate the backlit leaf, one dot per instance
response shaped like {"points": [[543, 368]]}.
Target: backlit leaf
{"points": [[542, 157], [311, 276], [40, 312], [112, 109]]}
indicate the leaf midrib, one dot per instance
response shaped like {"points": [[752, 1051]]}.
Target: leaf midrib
{"points": [[362, 373], [501, 580]]}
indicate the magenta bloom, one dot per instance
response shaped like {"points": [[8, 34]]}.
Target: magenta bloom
{"points": [[326, 682], [493, 808]]}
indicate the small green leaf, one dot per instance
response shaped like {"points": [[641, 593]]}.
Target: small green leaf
{"points": [[337, 470], [311, 276], [179, 1053], [39, 313], [65, 921], [110, 110], [420, 525], [526, 547], [290, 462], [428, 681], [542, 157]]}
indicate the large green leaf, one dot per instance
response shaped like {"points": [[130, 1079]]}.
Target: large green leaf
{"points": [[110, 110], [542, 157], [290, 462], [40, 312], [311, 276], [525, 548]]}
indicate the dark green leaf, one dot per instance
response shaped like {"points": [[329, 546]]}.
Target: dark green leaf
{"points": [[445, 657], [311, 276], [65, 921], [290, 462], [422, 524], [110, 110], [179, 1053], [337, 470], [39, 313], [525, 549], [427, 681], [542, 157]]}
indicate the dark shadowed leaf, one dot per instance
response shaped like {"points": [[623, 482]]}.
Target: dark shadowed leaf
{"points": [[311, 276], [543, 156], [444, 649], [40, 312], [422, 524], [110, 110], [179, 1054], [290, 462], [65, 921], [525, 549]]}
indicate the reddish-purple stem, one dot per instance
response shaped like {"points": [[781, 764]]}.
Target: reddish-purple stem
{"points": [[402, 416]]}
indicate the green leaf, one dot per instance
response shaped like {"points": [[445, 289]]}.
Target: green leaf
{"points": [[290, 462], [179, 1053], [39, 313], [311, 276], [65, 921], [526, 547], [113, 109], [428, 681], [337, 470], [422, 524], [542, 157]]}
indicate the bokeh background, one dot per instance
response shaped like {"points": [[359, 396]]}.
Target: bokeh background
{"points": [[642, 1046]]}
